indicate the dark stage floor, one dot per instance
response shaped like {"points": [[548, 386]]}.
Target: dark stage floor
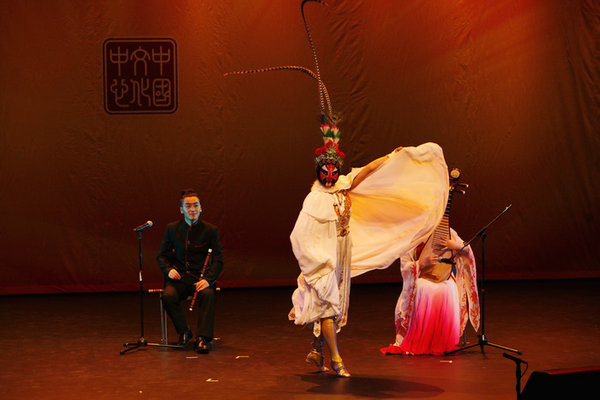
{"points": [[67, 347]]}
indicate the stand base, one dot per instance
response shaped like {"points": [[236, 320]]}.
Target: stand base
{"points": [[483, 341], [141, 342]]}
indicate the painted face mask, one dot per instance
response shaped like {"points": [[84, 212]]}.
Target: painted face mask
{"points": [[328, 174]]}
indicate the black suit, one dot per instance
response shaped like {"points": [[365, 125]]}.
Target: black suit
{"points": [[185, 248]]}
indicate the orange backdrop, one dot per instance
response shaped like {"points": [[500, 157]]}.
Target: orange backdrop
{"points": [[509, 89]]}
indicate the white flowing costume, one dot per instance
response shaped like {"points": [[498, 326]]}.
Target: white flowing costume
{"points": [[395, 208]]}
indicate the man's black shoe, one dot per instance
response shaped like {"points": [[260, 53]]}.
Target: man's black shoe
{"points": [[185, 338], [201, 346]]}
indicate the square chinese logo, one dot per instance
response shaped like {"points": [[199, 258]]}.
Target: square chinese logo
{"points": [[140, 76]]}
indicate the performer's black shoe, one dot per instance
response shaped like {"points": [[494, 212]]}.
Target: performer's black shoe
{"points": [[202, 346], [185, 338]]}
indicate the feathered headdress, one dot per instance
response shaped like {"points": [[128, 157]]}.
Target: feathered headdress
{"points": [[330, 132]]}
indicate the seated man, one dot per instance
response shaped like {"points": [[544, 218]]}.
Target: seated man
{"points": [[191, 260]]}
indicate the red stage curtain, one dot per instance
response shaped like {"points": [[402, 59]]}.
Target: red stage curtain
{"points": [[509, 89]]}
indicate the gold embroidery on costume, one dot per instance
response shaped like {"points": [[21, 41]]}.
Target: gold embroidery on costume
{"points": [[342, 208]]}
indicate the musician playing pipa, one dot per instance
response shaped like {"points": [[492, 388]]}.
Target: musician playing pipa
{"points": [[439, 291]]}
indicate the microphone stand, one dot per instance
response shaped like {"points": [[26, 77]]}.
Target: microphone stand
{"points": [[483, 340], [142, 342]]}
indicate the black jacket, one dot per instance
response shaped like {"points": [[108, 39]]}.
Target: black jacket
{"points": [[189, 259]]}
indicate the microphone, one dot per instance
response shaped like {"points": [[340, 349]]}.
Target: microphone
{"points": [[148, 224]]}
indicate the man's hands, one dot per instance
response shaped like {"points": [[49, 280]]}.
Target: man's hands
{"points": [[201, 285], [173, 274]]}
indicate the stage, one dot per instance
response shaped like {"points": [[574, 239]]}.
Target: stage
{"points": [[67, 347]]}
